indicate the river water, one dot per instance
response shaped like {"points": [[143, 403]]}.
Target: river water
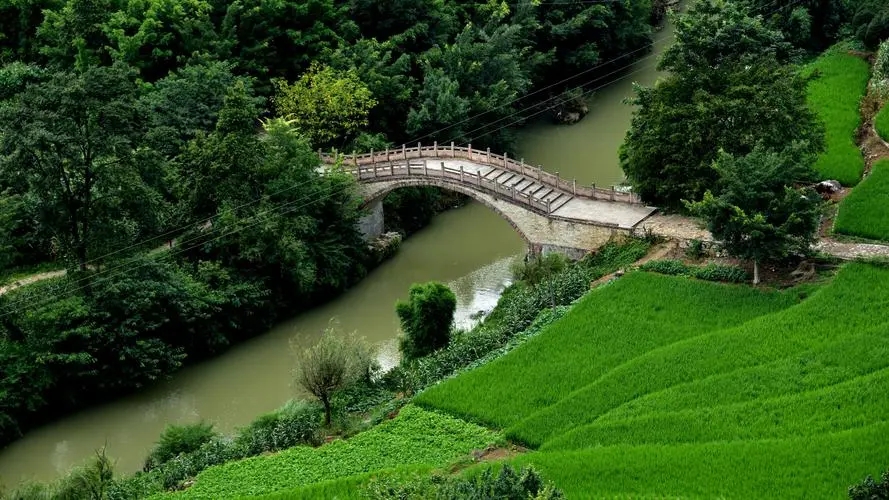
{"points": [[469, 248]]}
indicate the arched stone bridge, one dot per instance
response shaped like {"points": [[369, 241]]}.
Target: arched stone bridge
{"points": [[551, 213]]}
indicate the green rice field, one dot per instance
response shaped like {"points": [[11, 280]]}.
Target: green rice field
{"points": [[865, 211], [753, 401], [835, 95]]}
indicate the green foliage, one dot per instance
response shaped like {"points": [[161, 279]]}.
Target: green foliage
{"points": [[729, 90], [426, 319], [178, 439], [881, 122], [870, 489], [506, 483], [415, 437], [863, 212], [870, 21], [840, 80], [295, 423], [325, 104], [759, 215], [91, 481], [590, 340]]}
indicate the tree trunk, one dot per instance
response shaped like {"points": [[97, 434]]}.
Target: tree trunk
{"points": [[327, 411], [755, 272]]}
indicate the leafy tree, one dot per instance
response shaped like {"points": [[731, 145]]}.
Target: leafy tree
{"points": [[155, 35], [870, 21], [18, 28], [325, 104], [72, 139], [185, 102], [386, 75], [759, 214], [333, 363], [726, 91], [279, 39], [73, 35], [426, 319]]}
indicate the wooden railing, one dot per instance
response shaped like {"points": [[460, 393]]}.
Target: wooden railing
{"points": [[404, 154]]}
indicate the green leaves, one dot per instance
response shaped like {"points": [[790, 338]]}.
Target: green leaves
{"points": [[426, 319]]}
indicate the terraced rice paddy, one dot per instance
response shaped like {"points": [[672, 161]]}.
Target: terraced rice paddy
{"points": [[834, 95], [865, 211], [787, 402]]}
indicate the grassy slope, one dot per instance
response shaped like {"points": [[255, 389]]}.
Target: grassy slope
{"points": [[609, 327], [865, 211], [415, 438], [809, 467], [855, 302], [835, 96]]}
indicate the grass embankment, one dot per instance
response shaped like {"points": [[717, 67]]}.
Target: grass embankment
{"points": [[865, 211], [755, 399], [835, 95], [881, 122], [416, 438], [607, 328]]}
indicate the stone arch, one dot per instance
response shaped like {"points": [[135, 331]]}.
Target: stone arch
{"points": [[374, 190]]}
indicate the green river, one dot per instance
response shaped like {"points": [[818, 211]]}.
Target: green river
{"points": [[469, 248]]}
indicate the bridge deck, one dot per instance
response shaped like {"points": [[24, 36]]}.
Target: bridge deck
{"points": [[624, 215]]}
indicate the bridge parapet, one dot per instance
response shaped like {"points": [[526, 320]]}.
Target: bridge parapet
{"points": [[386, 159]]}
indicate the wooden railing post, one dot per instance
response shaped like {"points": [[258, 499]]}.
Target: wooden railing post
{"points": [[549, 208], [558, 181], [404, 154], [461, 170], [505, 159], [539, 169], [594, 190], [489, 155], [373, 159], [419, 154], [426, 168], [522, 167], [375, 170], [435, 148], [391, 168], [355, 159], [478, 175], [387, 155], [469, 149], [453, 154], [574, 187], [612, 193]]}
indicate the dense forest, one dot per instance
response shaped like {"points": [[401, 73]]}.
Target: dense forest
{"points": [[163, 151]]}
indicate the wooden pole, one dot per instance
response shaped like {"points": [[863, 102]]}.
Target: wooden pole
{"points": [[435, 148], [461, 171], [478, 175], [453, 154], [489, 155], [373, 160], [612, 193], [404, 154], [594, 190], [539, 169], [505, 160], [426, 168], [523, 166], [574, 187], [469, 147], [387, 155]]}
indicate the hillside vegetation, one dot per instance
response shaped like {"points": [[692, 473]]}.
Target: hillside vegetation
{"points": [[864, 211]]}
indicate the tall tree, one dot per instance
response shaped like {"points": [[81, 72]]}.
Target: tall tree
{"points": [[762, 210], [727, 90], [326, 105], [426, 319], [72, 139]]}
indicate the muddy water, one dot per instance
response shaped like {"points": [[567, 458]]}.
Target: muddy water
{"points": [[469, 248]]}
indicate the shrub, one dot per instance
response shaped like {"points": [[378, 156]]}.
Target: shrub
{"points": [[666, 266], [695, 249], [426, 319], [505, 484], [178, 439], [719, 272], [297, 422], [871, 490]]}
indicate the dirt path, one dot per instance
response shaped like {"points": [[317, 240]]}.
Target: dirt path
{"points": [[658, 251], [27, 280]]}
